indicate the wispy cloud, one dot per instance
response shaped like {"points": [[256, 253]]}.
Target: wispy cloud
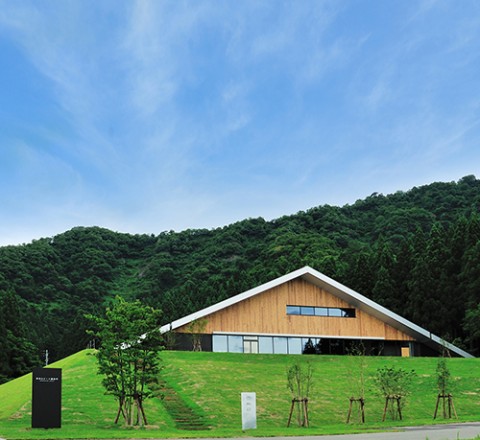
{"points": [[166, 115]]}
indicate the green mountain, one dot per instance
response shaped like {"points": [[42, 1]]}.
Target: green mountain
{"points": [[415, 252]]}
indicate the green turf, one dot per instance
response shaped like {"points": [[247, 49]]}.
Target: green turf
{"points": [[211, 384]]}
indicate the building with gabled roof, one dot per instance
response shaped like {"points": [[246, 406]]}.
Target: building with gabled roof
{"points": [[306, 306]]}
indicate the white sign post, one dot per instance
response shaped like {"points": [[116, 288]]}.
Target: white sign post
{"points": [[249, 411]]}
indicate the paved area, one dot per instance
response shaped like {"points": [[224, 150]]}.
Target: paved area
{"points": [[454, 431]]}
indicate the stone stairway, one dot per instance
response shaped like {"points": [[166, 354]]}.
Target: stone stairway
{"points": [[184, 416]]}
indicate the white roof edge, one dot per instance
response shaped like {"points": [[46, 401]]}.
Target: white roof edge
{"points": [[231, 301], [348, 294], [384, 312]]}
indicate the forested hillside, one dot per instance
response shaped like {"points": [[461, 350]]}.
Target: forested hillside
{"points": [[415, 252]]}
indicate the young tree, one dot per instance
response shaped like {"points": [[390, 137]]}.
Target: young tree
{"points": [[128, 355], [196, 329], [394, 385], [299, 382], [443, 376], [357, 364], [444, 385]]}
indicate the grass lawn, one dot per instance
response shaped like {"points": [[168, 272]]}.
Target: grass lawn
{"points": [[211, 384]]}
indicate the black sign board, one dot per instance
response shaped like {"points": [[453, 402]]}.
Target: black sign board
{"points": [[47, 398]]}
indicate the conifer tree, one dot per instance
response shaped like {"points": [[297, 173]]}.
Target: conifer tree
{"points": [[18, 355]]}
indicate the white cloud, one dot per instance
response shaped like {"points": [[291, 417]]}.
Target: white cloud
{"points": [[421, 8], [176, 114], [149, 58]]}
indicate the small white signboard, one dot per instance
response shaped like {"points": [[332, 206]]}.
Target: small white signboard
{"points": [[249, 411]]}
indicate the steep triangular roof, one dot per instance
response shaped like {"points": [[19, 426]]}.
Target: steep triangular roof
{"points": [[348, 295]]}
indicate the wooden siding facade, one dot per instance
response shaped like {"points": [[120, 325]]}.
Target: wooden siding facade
{"points": [[266, 314]]}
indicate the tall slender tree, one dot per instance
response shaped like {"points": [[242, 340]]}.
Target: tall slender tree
{"points": [[128, 355]]}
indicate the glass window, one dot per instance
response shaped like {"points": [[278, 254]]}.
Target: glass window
{"points": [[250, 338], [295, 346], [334, 312], [305, 340], [235, 344], [250, 346], [265, 344], [321, 311], [309, 311], [280, 345], [293, 310], [308, 346], [219, 343]]}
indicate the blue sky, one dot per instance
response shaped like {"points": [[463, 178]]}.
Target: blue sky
{"points": [[147, 116]]}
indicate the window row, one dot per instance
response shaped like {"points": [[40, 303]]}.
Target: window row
{"points": [[321, 311], [260, 344], [299, 345]]}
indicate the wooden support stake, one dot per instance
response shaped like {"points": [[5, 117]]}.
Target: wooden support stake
{"points": [[303, 412], [349, 409], [361, 401], [392, 399], [385, 409], [291, 412], [452, 405], [447, 402]]}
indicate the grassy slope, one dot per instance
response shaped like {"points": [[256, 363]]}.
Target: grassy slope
{"points": [[86, 411], [212, 383], [215, 381]]}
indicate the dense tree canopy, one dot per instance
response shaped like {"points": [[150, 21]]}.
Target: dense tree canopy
{"points": [[416, 252], [127, 355]]}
